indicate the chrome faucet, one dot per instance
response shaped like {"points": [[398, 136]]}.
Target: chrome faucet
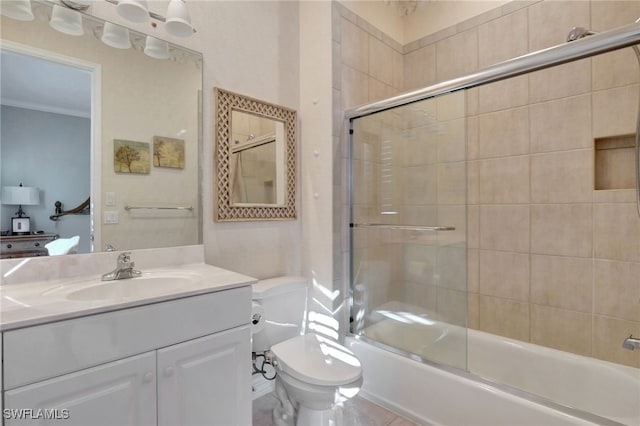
{"points": [[631, 343], [124, 269]]}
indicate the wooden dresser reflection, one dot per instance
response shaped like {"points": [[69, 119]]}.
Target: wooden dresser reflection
{"points": [[24, 245]]}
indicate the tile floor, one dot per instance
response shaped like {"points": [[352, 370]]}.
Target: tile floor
{"points": [[356, 412]]}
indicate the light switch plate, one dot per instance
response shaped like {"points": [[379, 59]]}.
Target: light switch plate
{"points": [[110, 217], [110, 198]]}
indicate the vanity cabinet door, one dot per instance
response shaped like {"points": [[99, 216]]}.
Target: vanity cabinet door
{"points": [[118, 393], [206, 381]]}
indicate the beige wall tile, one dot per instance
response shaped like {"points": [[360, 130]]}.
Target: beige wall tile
{"points": [[510, 93], [420, 185], [355, 47], [614, 69], [457, 55], [472, 137], [562, 229], [472, 101], [562, 177], [420, 148], [419, 68], [504, 180], [562, 282], [473, 311], [504, 228], [452, 267], [398, 71], [504, 274], [503, 38], [616, 232], [452, 143], [451, 106], [473, 225], [560, 329], [380, 61], [503, 133], [452, 183], [473, 270], [617, 289], [473, 182], [608, 335], [606, 15], [550, 21], [355, 87], [379, 90], [614, 111], [504, 317], [561, 81], [561, 125], [452, 305]]}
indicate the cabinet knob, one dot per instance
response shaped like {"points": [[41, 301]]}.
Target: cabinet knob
{"points": [[9, 246], [168, 372], [37, 244], [147, 377]]}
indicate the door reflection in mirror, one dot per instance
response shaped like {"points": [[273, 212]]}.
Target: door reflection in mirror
{"points": [[257, 165]]}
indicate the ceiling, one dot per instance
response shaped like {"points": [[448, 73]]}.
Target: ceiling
{"points": [[34, 83]]}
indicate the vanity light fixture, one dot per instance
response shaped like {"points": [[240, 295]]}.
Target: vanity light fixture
{"points": [[115, 36], [67, 21], [19, 196], [156, 48], [17, 9], [177, 21]]}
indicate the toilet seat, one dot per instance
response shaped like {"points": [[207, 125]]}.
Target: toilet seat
{"points": [[317, 360]]}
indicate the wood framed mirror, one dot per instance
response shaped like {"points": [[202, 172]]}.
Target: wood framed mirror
{"points": [[255, 159]]}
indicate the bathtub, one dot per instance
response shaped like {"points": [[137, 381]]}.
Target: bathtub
{"points": [[511, 382]]}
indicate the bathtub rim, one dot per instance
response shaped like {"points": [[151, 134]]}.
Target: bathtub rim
{"points": [[465, 374]]}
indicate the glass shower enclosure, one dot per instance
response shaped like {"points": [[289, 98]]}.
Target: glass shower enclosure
{"points": [[408, 229]]}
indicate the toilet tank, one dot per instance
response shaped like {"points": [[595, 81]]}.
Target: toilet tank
{"points": [[284, 301]]}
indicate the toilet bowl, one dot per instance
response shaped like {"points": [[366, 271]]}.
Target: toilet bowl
{"points": [[314, 373]]}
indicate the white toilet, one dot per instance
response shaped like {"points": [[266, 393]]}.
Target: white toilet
{"points": [[313, 372]]}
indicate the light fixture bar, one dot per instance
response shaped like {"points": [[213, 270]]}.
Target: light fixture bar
{"points": [[152, 15]]}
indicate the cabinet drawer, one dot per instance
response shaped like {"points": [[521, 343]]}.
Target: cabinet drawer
{"points": [[36, 353], [118, 393]]}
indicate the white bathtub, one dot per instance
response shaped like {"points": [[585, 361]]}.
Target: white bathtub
{"points": [[575, 389]]}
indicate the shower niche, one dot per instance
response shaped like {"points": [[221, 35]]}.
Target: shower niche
{"points": [[614, 162]]}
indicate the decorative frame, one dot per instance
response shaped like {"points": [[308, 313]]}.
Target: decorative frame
{"points": [[225, 103], [168, 152], [20, 225], [131, 157]]}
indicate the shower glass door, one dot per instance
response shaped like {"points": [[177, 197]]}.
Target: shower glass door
{"points": [[408, 229]]}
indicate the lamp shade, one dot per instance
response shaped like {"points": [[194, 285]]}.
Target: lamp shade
{"points": [[178, 21], [66, 21], [156, 48], [17, 9], [134, 10], [20, 195], [115, 36]]}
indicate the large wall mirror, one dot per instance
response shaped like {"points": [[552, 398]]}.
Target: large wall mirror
{"points": [[108, 132], [255, 159]]}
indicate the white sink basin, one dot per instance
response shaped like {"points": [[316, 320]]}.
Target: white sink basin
{"points": [[131, 288], [146, 285]]}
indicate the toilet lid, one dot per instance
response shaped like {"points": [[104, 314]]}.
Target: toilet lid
{"points": [[316, 360]]}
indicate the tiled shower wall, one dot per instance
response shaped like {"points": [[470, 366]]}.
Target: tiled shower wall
{"points": [[551, 260]]}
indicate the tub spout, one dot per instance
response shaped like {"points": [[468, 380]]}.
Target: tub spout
{"points": [[631, 343]]}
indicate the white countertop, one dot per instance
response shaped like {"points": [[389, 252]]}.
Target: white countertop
{"points": [[39, 302]]}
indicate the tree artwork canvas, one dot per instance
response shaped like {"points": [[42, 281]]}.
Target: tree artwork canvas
{"points": [[168, 152], [130, 157]]}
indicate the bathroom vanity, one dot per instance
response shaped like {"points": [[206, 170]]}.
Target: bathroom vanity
{"points": [[170, 347]]}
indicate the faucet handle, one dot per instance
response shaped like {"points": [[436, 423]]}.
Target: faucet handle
{"points": [[124, 257]]}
